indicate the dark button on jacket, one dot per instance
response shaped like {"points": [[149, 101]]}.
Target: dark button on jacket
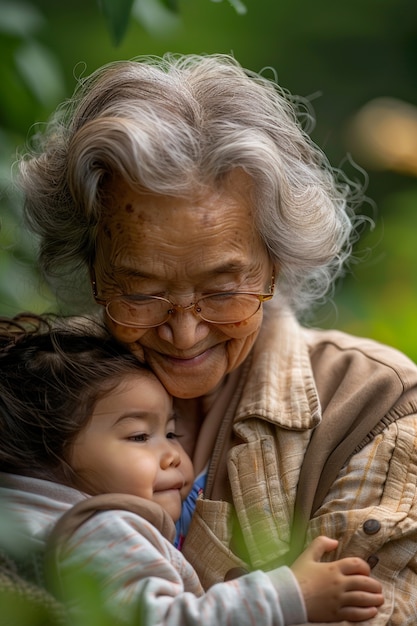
{"points": [[235, 572], [371, 526], [372, 560]]}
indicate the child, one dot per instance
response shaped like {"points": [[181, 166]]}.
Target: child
{"points": [[80, 416]]}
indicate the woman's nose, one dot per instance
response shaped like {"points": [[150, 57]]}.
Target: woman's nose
{"points": [[183, 329]]}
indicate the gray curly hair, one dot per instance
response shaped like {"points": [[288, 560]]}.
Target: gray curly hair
{"points": [[176, 123]]}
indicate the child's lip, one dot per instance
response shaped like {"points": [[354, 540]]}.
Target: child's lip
{"points": [[174, 487]]}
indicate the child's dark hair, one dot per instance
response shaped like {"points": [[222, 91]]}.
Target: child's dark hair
{"points": [[52, 372]]}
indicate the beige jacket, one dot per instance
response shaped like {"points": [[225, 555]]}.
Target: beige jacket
{"points": [[296, 378]]}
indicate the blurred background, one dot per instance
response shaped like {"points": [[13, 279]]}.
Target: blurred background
{"points": [[355, 61]]}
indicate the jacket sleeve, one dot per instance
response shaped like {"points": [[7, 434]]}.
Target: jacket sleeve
{"points": [[145, 580], [372, 510]]}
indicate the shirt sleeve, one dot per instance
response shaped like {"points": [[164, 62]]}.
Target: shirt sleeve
{"points": [[143, 579]]}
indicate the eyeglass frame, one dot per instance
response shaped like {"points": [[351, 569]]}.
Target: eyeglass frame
{"points": [[262, 297]]}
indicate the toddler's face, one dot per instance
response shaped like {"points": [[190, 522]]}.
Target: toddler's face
{"points": [[129, 446]]}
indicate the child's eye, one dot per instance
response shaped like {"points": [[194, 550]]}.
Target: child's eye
{"points": [[172, 435], [141, 437]]}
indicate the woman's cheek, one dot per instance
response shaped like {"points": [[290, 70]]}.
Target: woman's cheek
{"points": [[241, 330], [128, 336]]}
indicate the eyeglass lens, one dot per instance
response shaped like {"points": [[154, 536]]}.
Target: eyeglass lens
{"points": [[222, 308]]}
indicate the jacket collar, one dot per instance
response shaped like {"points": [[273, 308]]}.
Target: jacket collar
{"points": [[280, 387]]}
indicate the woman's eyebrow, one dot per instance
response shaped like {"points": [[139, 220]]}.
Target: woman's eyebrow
{"points": [[230, 267], [130, 272]]}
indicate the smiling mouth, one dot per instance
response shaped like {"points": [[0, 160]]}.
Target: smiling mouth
{"points": [[175, 488], [193, 359]]}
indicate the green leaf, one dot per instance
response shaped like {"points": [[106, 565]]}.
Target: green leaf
{"points": [[238, 6], [172, 5], [117, 14], [20, 19], [41, 72], [154, 17]]}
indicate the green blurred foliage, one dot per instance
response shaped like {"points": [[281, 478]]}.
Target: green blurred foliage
{"points": [[118, 16], [380, 298], [339, 55]]}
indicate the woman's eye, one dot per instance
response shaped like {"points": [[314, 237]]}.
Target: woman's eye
{"points": [[222, 295], [142, 437]]}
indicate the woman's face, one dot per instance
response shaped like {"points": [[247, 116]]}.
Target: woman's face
{"points": [[181, 249]]}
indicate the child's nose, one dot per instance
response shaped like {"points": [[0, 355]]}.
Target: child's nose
{"points": [[170, 457]]}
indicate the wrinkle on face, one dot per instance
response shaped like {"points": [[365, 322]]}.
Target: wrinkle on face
{"points": [[182, 248]]}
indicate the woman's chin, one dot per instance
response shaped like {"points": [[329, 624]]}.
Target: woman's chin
{"points": [[188, 389], [189, 378]]}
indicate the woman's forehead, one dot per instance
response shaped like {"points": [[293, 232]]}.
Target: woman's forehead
{"points": [[220, 246], [121, 197], [146, 236], [141, 220]]}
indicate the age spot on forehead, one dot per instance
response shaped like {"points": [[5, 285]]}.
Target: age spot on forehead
{"points": [[140, 218], [237, 236], [208, 218]]}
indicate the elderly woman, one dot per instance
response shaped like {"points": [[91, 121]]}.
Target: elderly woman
{"points": [[184, 192]]}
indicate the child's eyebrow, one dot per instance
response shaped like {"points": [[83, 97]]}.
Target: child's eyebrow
{"points": [[132, 415], [174, 415]]}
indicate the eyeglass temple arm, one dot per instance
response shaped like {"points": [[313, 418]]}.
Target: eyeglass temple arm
{"points": [[94, 287], [272, 285]]}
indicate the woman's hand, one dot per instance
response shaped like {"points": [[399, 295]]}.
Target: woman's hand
{"points": [[339, 590]]}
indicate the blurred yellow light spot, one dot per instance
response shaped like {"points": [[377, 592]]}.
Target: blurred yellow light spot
{"points": [[383, 135]]}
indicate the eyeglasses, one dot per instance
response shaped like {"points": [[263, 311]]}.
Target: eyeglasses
{"points": [[142, 311]]}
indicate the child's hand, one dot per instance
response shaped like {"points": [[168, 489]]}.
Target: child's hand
{"points": [[336, 591]]}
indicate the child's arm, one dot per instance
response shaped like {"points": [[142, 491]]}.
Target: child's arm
{"points": [[145, 580], [339, 590]]}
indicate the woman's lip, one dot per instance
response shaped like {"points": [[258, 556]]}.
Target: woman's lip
{"points": [[188, 361]]}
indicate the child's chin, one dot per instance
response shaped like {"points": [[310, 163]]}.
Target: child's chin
{"points": [[172, 505]]}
